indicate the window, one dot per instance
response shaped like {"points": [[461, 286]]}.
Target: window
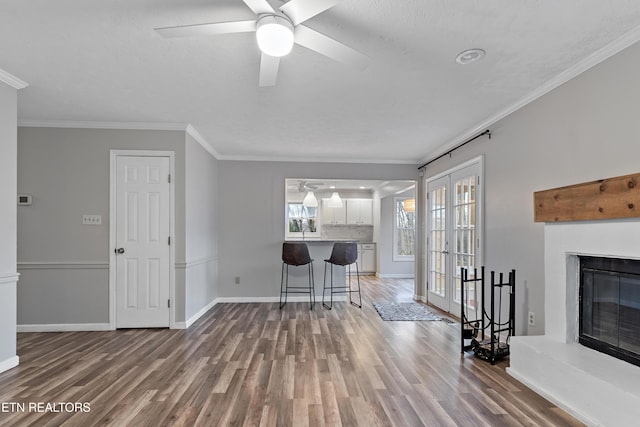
{"points": [[404, 233], [302, 219]]}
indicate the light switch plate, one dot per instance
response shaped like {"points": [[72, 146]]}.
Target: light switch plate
{"points": [[91, 219]]}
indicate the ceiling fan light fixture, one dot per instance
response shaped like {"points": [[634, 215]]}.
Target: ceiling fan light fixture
{"points": [[275, 35]]}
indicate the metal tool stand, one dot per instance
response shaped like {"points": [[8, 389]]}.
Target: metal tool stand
{"points": [[497, 345]]}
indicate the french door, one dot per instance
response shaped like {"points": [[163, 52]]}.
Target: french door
{"points": [[453, 234]]}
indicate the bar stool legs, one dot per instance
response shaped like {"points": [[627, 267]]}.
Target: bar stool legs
{"points": [[359, 305], [285, 288], [345, 254]]}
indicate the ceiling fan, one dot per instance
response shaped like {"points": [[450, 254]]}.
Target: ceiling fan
{"points": [[276, 31], [304, 185]]}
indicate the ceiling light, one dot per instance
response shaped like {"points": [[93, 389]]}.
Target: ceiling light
{"points": [[275, 35], [335, 201], [409, 205], [362, 188], [310, 200], [469, 56], [332, 187]]}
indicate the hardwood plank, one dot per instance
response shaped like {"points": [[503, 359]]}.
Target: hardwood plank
{"points": [[253, 365]]}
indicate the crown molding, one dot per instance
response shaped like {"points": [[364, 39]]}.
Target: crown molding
{"points": [[122, 126], [318, 160], [12, 80], [202, 141], [587, 63], [101, 125]]}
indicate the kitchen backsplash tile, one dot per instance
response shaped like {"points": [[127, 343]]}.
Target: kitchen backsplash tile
{"points": [[363, 233]]}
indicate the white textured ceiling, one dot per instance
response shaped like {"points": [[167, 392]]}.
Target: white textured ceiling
{"points": [[101, 61]]}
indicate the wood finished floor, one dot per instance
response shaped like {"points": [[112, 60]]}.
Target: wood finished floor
{"points": [[254, 365]]}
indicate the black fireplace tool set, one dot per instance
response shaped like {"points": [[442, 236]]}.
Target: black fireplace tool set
{"points": [[484, 331]]}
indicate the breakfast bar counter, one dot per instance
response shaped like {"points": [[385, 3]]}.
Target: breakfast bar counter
{"points": [[319, 249]]}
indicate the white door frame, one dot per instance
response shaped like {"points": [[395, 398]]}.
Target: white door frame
{"points": [[114, 154], [479, 160]]}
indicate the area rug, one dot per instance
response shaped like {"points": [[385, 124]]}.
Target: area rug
{"points": [[404, 311]]}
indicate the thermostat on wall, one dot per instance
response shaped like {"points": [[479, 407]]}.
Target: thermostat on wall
{"points": [[24, 199]]}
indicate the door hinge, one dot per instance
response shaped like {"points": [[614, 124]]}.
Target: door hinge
{"points": [[168, 303], [169, 179], [169, 240]]}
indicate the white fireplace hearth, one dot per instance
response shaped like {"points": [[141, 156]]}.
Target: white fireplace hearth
{"points": [[598, 389]]}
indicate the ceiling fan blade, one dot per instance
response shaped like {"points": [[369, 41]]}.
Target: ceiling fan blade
{"points": [[329, 47], [208, 29], [268, 70], [301, 10], [259, 6]]}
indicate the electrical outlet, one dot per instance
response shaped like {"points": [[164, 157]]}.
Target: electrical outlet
{"points": [[237, 280], [91, 219], [532, 318]]}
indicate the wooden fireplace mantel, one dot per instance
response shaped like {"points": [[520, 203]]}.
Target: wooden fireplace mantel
{"points": [[611, 198]]}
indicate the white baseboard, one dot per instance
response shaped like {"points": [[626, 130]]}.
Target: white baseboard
{"points": [[9, 363], [395, 275], [179, 325], [223, 300], [199, 314], [65, 327], [420, 298]]}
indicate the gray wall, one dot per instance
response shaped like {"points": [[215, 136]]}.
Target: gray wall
{"points": [[386, 265], [201, 227], [252, 217], [582, 131], [63, 264], [8, 124]]}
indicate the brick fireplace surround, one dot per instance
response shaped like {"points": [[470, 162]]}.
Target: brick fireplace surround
{"points": [[598, 389]]}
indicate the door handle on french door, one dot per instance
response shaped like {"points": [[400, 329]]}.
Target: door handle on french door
{"points": [[445, 252], [119, 250]]}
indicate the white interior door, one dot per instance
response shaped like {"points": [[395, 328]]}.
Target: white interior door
{"points": [[453, 240], [142, 241]]}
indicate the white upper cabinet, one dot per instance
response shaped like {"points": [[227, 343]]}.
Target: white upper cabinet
{"points": [[359, 211], [333, 215]]}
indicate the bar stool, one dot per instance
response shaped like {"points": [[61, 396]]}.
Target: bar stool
{"points": [[296, 254], [345, 254]]}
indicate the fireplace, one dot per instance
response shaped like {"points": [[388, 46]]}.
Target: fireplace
{"points": [[594, 386], [609, 317]]}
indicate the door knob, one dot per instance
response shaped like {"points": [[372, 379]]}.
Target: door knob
{"points": [[120, 251]]}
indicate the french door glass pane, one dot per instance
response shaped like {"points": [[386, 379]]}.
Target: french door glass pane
{"points": [[437, 273], [464, 249]]}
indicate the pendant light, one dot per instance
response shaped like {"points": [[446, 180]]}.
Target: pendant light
{"points": [[310, 200], [409, 205], [335, 201]]}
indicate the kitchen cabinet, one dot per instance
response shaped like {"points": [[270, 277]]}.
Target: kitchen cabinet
{"points": [[333, 216], [359, 211], [367, 257]]}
